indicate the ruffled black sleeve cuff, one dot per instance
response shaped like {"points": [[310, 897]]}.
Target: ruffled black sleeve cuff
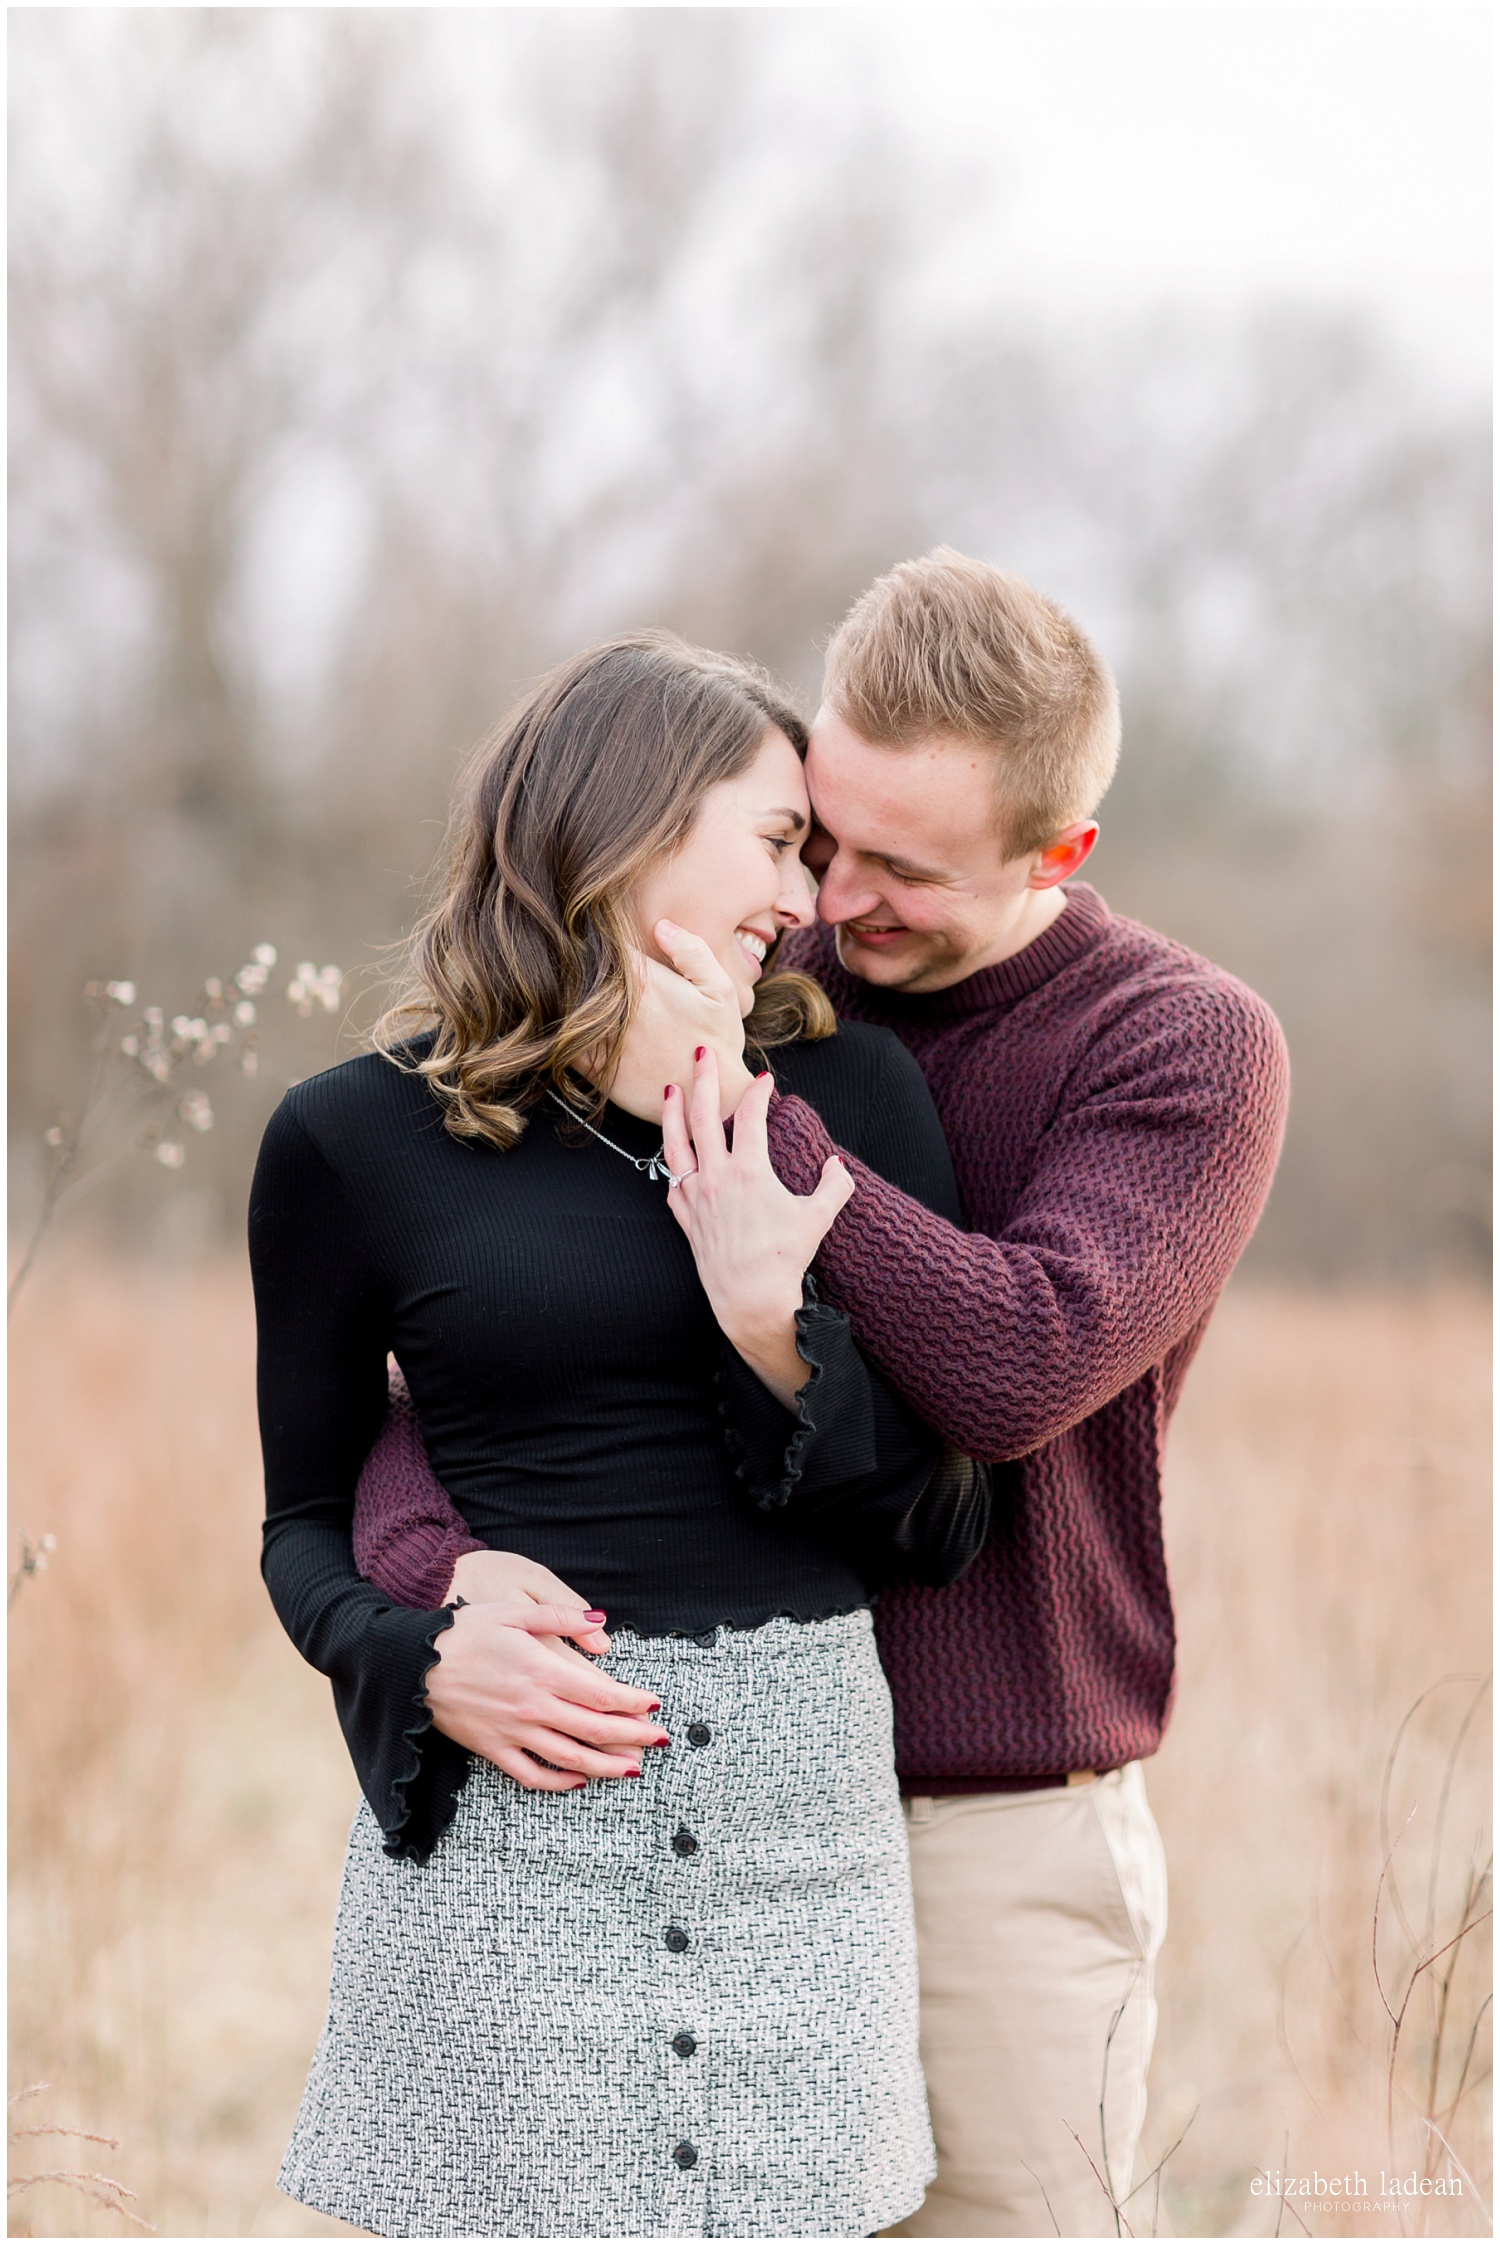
{"points": [[410, 1773], [377, 1656], [853, 1463], [791, 1458]]}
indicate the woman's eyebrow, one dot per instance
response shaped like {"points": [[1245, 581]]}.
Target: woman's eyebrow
{"points": [[795, 819]]}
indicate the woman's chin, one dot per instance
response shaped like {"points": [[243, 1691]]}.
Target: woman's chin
{"points": [[744, 976]]}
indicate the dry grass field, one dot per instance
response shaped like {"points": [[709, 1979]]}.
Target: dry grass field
{"points": [[180, 1794]]}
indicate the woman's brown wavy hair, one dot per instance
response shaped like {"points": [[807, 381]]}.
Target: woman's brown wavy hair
{"points": [[520, 972]]}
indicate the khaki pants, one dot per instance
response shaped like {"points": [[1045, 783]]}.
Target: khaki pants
{"points": [[1039, 1918]]}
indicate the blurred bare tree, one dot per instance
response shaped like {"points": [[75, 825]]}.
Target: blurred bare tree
{"points": [[365, 361]]}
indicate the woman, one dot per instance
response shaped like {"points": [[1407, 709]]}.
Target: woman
{"points": [[681, 2002]]}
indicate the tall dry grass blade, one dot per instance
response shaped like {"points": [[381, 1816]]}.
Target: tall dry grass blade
{"points": [[1388, 1775], [1046, 2201], [1442, 1808]]}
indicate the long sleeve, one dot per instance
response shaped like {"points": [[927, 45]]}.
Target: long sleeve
{"points": [[321, 1377], [1142, 1194]]}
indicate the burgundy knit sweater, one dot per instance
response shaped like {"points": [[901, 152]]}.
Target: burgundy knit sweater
{"points": [[1114, 1106]]}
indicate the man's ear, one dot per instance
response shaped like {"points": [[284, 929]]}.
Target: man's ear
{"points": [[1063, 855]]}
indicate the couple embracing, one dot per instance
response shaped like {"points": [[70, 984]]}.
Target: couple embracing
{"points": [[793, 1201]]}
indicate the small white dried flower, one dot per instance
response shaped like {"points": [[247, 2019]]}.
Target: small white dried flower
{"points": [[221, 1033], [154, 1017], [48, 1543], [264, 954], [249, 1061], [244, 1013], [54, 1136], [213, 988], [252, 980], [130, 1046], [123, 993], [196, 1111], [170, 1154], [158, 1065], [313, 986], [181, 1026]]}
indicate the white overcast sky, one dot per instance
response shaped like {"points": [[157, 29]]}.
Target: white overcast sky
{"points": [[1339, 154]]}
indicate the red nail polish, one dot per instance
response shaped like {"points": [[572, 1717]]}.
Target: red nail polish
{"points": [[699, 1053], [593, 1614], [664, 1740], [653, 1707], [667, 1093], [632, 1773]]}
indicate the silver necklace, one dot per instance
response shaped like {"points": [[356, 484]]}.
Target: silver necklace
{"points": [[653, 1166]]}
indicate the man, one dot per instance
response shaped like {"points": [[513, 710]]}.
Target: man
{"points": [[1114, 1106]]}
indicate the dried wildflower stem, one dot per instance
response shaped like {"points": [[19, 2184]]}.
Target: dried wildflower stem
{"points": [[1398, 2018], [1472, 1884], [1442, 1807], [83, 2135], [1046, 2201], [1463, 2073], [155, 1053], [1388, 1778], [62, 1170], [102, 2188]]}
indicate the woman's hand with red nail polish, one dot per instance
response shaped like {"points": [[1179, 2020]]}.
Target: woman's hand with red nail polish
{"points": [[532, 1705]]}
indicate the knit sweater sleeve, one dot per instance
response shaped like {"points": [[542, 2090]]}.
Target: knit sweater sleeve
{"points": [[1144, 1192], [321, 1375], [851, 1460], [408, 1532]]}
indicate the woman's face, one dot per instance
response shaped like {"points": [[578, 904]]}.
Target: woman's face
{"points": [[736, 878]]}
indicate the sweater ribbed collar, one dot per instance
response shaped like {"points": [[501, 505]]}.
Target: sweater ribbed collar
{"points": [[1077, 928]]}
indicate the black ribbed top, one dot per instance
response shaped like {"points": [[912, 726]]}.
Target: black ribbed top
{"points": [[566, 1367]]}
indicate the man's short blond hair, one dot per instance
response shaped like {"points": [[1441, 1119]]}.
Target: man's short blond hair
{"points": [[954, 648]]}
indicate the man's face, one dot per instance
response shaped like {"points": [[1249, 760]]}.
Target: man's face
{"points": [[914, 876]]}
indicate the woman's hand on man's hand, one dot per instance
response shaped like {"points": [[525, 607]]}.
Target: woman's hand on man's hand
{"points": [[693, 1002], [752, 1240], [508, 1686]]}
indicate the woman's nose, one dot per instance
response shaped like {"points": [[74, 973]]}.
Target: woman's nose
{"points": [[797, 903]]}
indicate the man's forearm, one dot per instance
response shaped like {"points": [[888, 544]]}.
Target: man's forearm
{"points": [[1002, 1344]]}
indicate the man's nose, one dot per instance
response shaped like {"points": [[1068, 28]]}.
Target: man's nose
{"points": [[841, 896]]}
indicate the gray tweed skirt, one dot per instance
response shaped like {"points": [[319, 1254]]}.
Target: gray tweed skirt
{"points": [[683, 2005]]}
